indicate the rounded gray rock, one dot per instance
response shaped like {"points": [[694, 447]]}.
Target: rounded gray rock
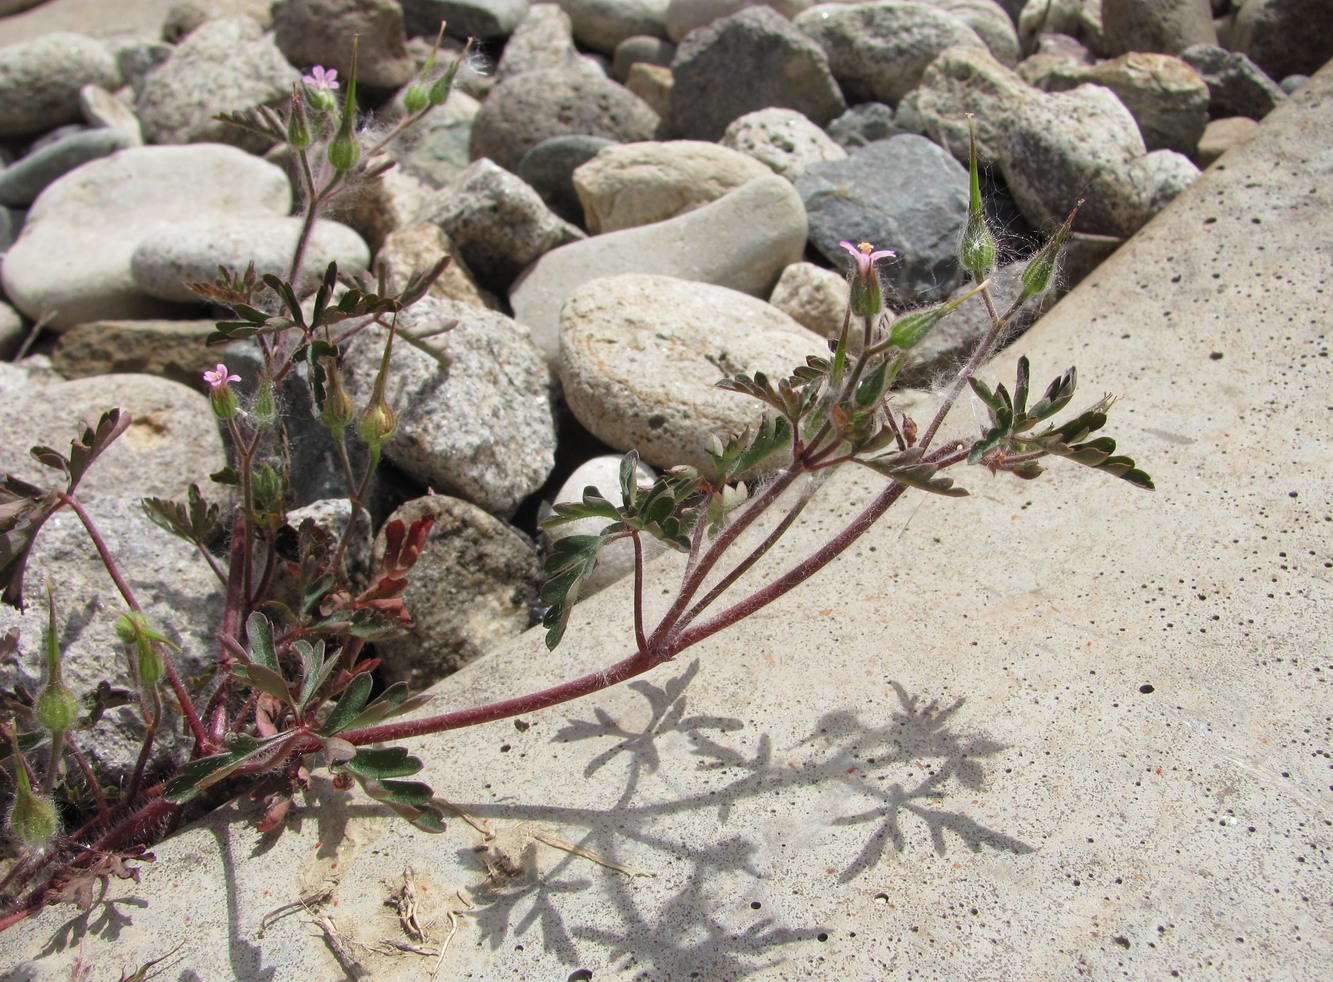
{"points": [[603, 24], [473, 588], [815, 297], [633, 184], [179, 595], [498, 224], [479, 427], [753, 60], [1076, 145], [320, 32], [172, 442], [1167, 98], [878, 51], [524, 110], [73, 256], [225, 66], [640, 357], [543, 39], [918, 214], [40, 80], [173, 255], [1284, 37], [548, 168], [1236, 85], [1158, 26], [742, 241], [784, 139]]}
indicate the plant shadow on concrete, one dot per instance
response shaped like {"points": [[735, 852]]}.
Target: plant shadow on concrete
{"points": [[696, 930]]}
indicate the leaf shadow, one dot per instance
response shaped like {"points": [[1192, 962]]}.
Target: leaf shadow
{"points": [[694, 930]]}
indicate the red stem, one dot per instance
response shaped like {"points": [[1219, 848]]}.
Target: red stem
{"points": [[187, 709]]}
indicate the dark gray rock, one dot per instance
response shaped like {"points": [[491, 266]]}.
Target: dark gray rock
{"points": [[640, 49], [485, 19], [549, 167], [23, 180], [918, 213], [498, 224], [752, 60], [472, 589], [1162, 26], [1236, 85], [524, 110], [1284, 37], [320, 32], [877, 51], [865, 123], [40, 81]]}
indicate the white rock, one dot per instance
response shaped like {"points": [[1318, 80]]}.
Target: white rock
{"points": [[631, 184], [783, 139], [815, 297], [743, 241], [481, 428], [170, 256], [615, 559], [640, 358], [73, 256]]}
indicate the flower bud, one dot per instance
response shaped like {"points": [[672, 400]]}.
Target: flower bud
{"points": [[265, 412], [56, 707], [148, 662], [344, 149], [1041, 268], [32, 819], [268, 494], [377, 423], [415, 98], [338, 410], [867, 299], [978, 250], [298, 129]]}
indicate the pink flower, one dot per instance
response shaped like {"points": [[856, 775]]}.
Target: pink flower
{"points": [[321, 78], [865, 255], [219, 378]]}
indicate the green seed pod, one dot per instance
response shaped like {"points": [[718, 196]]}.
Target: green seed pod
{"points": [[223, 401], [978, 250], [56, 707], [415, 98], [148, 663], [265, 411], [298, 129], [32, 818], [377, 423], [1041, 268]]}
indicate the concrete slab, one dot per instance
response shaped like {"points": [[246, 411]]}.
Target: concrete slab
{"points": [[1055, 730]]}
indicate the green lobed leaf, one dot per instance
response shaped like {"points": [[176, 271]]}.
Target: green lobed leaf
{"points": [[382, 762], [393, 701], [259, 632], [349, 706], [315, 670], [571, 561], [265, 680]]}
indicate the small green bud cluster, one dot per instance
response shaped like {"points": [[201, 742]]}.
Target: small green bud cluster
{"points": [[134, 632], [977, 251], [32, 818], [425, 91]]}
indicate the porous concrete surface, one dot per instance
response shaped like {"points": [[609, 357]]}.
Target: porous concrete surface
{"points": [[1055, 730]]}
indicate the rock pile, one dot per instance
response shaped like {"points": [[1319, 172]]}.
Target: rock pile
{"points": [[645, 192]]}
